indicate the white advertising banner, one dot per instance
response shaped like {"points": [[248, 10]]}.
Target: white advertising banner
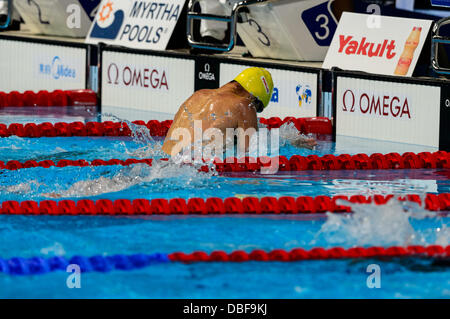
{"points": [[141, 24], [294, 93], [35, 66], [377, 44], [136, 87], [388, 111]]}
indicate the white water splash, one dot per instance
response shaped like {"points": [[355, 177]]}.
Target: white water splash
{"points": [[383, 225], [56, 249], [147, 151], [373, 187], [22, 188], [442, 236], [14, 143], [263, 142], [141, 135], [59, 150], [289, 134], [133, 175]]}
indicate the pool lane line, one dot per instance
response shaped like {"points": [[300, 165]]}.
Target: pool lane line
{"points": [[99, 263], [43, 98], [376, 161], [285, 205], [316, 125]]}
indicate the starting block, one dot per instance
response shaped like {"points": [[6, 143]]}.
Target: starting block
{"points": [[284, 29], [70, 18]]}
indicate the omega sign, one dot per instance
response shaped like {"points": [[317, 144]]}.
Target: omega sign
{"points": [[132, 76], [206, 75], [370, 104]]}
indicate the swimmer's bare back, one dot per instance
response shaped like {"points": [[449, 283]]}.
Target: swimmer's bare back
{"points": [[229, 106]]}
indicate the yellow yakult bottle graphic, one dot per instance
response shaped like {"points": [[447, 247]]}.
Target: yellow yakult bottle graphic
{"points": [[407, 56]]}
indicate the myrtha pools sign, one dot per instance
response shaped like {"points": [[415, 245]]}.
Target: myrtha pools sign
{"points": [[136, 24]]}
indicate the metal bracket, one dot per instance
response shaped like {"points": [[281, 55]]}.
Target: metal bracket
{"points": [[435, 40], [224, 47], [9, 18]]}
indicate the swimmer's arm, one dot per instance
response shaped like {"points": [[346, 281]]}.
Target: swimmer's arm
{"points": [[304, 142], [176, 119], [249, 124], [169, 141]]}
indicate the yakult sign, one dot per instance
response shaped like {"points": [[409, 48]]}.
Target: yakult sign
{"points": [[389, 111], [138, 24], [391, 46]]}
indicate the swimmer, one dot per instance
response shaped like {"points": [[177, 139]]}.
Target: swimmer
{"points": [[234, 105]]}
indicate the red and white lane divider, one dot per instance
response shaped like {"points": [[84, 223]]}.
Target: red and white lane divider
{"points": [[45, 98], [20, 266], [375, 161], [299, 254], [318, 125], [213, 206]]}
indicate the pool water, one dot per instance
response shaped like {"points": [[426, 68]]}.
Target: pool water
{"points": [[28, 236]]}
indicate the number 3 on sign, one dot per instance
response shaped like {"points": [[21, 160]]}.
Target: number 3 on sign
{"points": [[324, 26], [262, 37], [320, 23]]}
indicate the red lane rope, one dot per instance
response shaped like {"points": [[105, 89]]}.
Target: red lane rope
{"points": [[318, 125], [299, 254], [213, 206], [440, 159], [45, 98]]}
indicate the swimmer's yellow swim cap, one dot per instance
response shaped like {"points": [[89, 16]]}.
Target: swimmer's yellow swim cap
{"points": [[258, 82]]}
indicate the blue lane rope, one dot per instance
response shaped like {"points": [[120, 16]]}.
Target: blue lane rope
{"points": [[98, 263], [39, 265]]}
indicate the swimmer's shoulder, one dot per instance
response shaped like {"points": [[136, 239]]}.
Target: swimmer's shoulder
{"points": [[222, 91], [204, 92], [221, 94], [197, 97]]}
